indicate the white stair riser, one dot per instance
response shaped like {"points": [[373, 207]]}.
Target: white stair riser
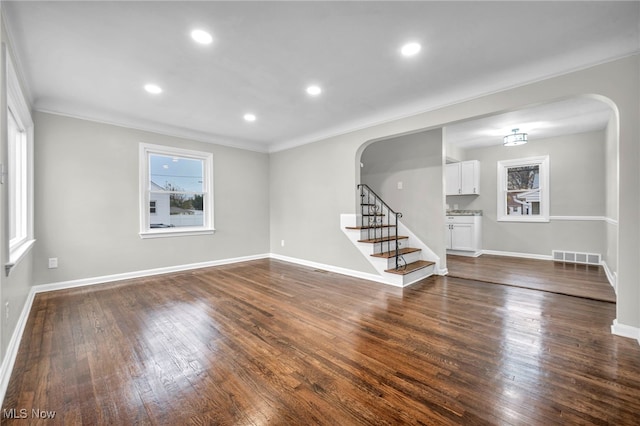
{"points": [[417, 275], [366, 234], [409, 258], [382, 264], [388, 246]]}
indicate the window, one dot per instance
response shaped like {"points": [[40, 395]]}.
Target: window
{"points": [[523, 190], [19, 171], [176, 196]]}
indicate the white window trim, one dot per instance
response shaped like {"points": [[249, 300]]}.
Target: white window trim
{"points": [[16, 101], [543, 162], [145, 230]]}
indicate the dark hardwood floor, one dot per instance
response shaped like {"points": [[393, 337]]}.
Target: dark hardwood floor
{"points": [[266, 342], [572, 279]]}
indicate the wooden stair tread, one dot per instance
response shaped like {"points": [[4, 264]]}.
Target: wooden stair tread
{"points": [[411, 267], [392, 253], [381, 240], [371, 227]]}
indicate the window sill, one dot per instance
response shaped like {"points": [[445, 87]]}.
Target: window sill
{"points": [[173, 233], [17, 254]]}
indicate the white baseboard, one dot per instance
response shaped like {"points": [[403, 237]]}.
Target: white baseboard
{"points": [[12, 349], [625, 330], [611, 276], [516, 254], [143, 273], [331, 268]]}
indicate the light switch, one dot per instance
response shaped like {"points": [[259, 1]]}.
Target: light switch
{"points": [[400, 185]]}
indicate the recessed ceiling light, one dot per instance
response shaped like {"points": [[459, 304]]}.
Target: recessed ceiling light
{"points": [[250, 117], [410, 49], [153, 88], [201, 36], [314, 90]]}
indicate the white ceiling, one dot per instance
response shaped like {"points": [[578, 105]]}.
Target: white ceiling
{"points": [[576, 115], [91, 59]]}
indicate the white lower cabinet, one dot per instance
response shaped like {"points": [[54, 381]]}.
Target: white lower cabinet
{"points": [[463, 235]]}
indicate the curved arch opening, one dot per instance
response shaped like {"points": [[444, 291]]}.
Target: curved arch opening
{"points": [[580, 135]]}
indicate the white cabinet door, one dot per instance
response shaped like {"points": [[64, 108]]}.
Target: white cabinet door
{"points": [[452, 178], [462, 237], [447, 232], [469, 177], [462, 178]]}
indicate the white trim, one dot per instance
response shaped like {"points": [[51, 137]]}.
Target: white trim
{"points": [[349, 220], [625, 330], [466, 253], [61, 285], [12, 349], [17, 103], [517, 254], [157, 128], [19, 252], [15, 97], [172, 232], [543, 167], [579, 218], [424, 106], [611, 221], [611, 276], [331, 268], [145, 151]]}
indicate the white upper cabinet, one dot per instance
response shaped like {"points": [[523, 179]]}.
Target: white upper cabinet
{"points": [[463, 178]]}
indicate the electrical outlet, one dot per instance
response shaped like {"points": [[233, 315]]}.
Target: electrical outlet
{"points": [[53, 262], [282, 243], [6, 311]]}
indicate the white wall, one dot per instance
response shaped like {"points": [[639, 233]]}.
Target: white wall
{"points": [[87, 211], [577, 196], [416, 161]]}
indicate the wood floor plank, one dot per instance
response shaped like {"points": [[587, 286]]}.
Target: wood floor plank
{"points": [[269, 342], [589, 281]]}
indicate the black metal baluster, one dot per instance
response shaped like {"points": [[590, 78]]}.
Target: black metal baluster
{"points": [[374, 214]]}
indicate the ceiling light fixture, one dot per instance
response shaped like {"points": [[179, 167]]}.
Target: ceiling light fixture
{"points": [[314, 90], [153, 88], [250, 117], [515, 138], [201, 36], [410, 49]]}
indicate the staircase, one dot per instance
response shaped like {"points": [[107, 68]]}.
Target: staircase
{"points": [[397, 254]]}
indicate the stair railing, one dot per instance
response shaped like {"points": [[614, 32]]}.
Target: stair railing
{"points": [[373, 211]]}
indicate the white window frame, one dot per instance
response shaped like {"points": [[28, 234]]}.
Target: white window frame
{"points": [[146, 150], [503, 166], [18, 171]]}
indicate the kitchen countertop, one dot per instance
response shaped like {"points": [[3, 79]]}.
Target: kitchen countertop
{"points": [[464, 212]]}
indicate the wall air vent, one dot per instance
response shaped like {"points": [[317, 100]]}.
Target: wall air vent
{"points": [[576, 257]]}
